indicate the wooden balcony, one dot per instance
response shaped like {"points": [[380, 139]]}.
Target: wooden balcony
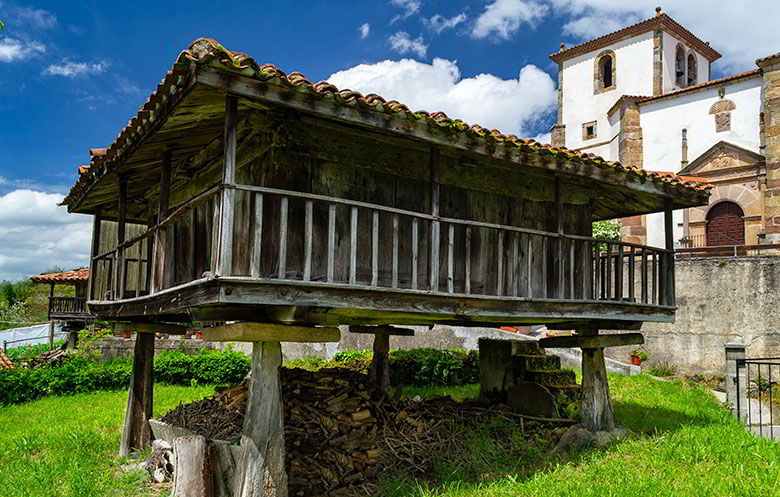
{"points": [[247, 252], [68, 309]]}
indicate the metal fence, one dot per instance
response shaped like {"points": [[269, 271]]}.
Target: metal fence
{"points": [[757, 392]]}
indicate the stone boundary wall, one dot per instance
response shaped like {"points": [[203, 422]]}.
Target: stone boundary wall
{"points": [[719, 300], [116, 347]]}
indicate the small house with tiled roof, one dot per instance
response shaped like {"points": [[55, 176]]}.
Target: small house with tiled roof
{"points": [[71, 310], [243, 194], [644, 95]]}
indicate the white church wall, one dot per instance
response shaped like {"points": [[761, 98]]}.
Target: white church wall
{"points": [[634, 76], [662, 122]]}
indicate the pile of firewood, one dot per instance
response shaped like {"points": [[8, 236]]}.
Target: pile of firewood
{"points": [[339, 433], [53, 357]]}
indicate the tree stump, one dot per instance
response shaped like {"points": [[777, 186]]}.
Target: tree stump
{"points": [[136, 433], [261, 467]]}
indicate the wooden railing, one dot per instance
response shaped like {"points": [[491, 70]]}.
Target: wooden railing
{"points": [[287, 236], [59, 306]]}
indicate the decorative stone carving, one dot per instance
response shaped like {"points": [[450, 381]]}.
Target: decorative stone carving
{"points": [[722, 112]]}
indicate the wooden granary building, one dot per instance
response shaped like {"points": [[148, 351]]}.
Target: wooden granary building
{"points": [[241, 193]]}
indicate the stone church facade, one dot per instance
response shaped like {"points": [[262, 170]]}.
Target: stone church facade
{"points": [[644, 96]]}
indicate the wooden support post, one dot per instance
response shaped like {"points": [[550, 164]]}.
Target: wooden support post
{"points": [[596, 410], [669, 290], [261, 470], [559, 210], [193, 472], [137, 434], [159, 259], [225, 253], [435, 237], [91, 293], [380, 362]]}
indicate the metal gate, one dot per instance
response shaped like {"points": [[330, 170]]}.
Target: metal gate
{"points": [[758, 389]]}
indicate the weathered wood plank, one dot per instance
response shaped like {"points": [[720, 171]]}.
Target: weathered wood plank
{"points": [[394, 269], [193, 471], [331, 242], [282, 264], [269, 332], [375, 248], [257, 236], [382, 330], [161, 235], [308, 236], [353, 245], [594, 341], [415, 251]]}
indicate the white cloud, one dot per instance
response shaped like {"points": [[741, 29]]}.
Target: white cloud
{"points": [[70, 69], [740, 47], [12, 49], [364, 29], [401, 43], [516, 106], [439, 23], [502, 18], [36, 234], [410, 7], [37, 18]]}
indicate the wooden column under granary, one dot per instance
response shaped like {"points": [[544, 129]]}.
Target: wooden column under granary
{"points": [[256, 197], [380, 358]]}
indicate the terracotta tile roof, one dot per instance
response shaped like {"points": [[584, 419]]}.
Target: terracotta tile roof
{"points": [[74, 276], [727, 79], [208, 52], [660, 21], [5, 362], [769, 58]]}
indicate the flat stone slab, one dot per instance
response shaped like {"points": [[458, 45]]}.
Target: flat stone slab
{"points": [[532, 399], [579, 438]]}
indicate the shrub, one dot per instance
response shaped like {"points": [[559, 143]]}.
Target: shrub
{"points": [[79, 374], [420, 367], [24, 352]]}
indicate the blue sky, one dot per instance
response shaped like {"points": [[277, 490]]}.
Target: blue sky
{"points": [[73, 73]]}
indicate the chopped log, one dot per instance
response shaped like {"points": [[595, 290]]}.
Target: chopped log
{"points": [[192, 476], [136, 433], [382, 330], [269, 332], [261, 469], [593, 341]]}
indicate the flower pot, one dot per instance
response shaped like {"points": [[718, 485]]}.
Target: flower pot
{"points": [[635, 360], [123, 334], [199, 335]]}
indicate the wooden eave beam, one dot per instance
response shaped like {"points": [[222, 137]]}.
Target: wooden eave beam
{"points": [[419, 130], [382, 330], [269, 332], [166, 328]]}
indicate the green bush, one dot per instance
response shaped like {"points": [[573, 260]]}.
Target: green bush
{"points": [[421, 367], [82, 375], [24, 352]]}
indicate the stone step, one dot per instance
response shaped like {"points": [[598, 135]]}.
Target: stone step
{"points": [[551, 376], [528, 362], [570, 391], [526, 347]]}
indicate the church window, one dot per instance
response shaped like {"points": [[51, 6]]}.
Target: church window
{"points": [[692, 76], [604, 72], [589, 130], [679, 66]]}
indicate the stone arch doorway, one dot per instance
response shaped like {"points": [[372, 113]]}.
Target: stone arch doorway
{"points": [[725, 225]]}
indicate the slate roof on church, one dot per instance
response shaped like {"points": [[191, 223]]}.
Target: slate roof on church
{"points": [[74, 276], [208, 52], [660, 22]]}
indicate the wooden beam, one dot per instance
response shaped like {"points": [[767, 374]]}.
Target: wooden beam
{"points": [[168, 329], [225, 254], [260, 470], [669, 265], [559, 213], [380, 362], [136, 433], [604, 324], [592, 342], [93, 252], [121, 230], [159, 259], [382, 330], [270, 332], [434, 171]]}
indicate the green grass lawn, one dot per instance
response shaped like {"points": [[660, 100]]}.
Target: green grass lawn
{"points": [[688, 446]]}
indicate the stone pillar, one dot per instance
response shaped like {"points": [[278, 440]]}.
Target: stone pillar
{"points": [[658, 63], [495, 363], [771, 139], [735, 351], [632, 229], [558, 135]]}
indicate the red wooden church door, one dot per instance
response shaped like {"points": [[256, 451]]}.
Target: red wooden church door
{"points": [[725, 225]]}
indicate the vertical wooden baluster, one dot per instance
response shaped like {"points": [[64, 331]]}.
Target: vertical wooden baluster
{"points": [[528, 268], [394, 281], [619, 273], [121, 228], [451, 258], [308, 238], [544, 266], [608, 279], [435, 195], [283, 238], [596, 267], [500, 256], [415, 250], [631, 275], [331, 242], [375, 249], [138, 271], [435, 248], [644, 276], [571, 267], [353, 246], [468, 260], [515, 263], [257, 237], [655, 277], [587, 272]]}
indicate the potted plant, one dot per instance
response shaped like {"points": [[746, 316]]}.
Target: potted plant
{"points": [[638, 356]]}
